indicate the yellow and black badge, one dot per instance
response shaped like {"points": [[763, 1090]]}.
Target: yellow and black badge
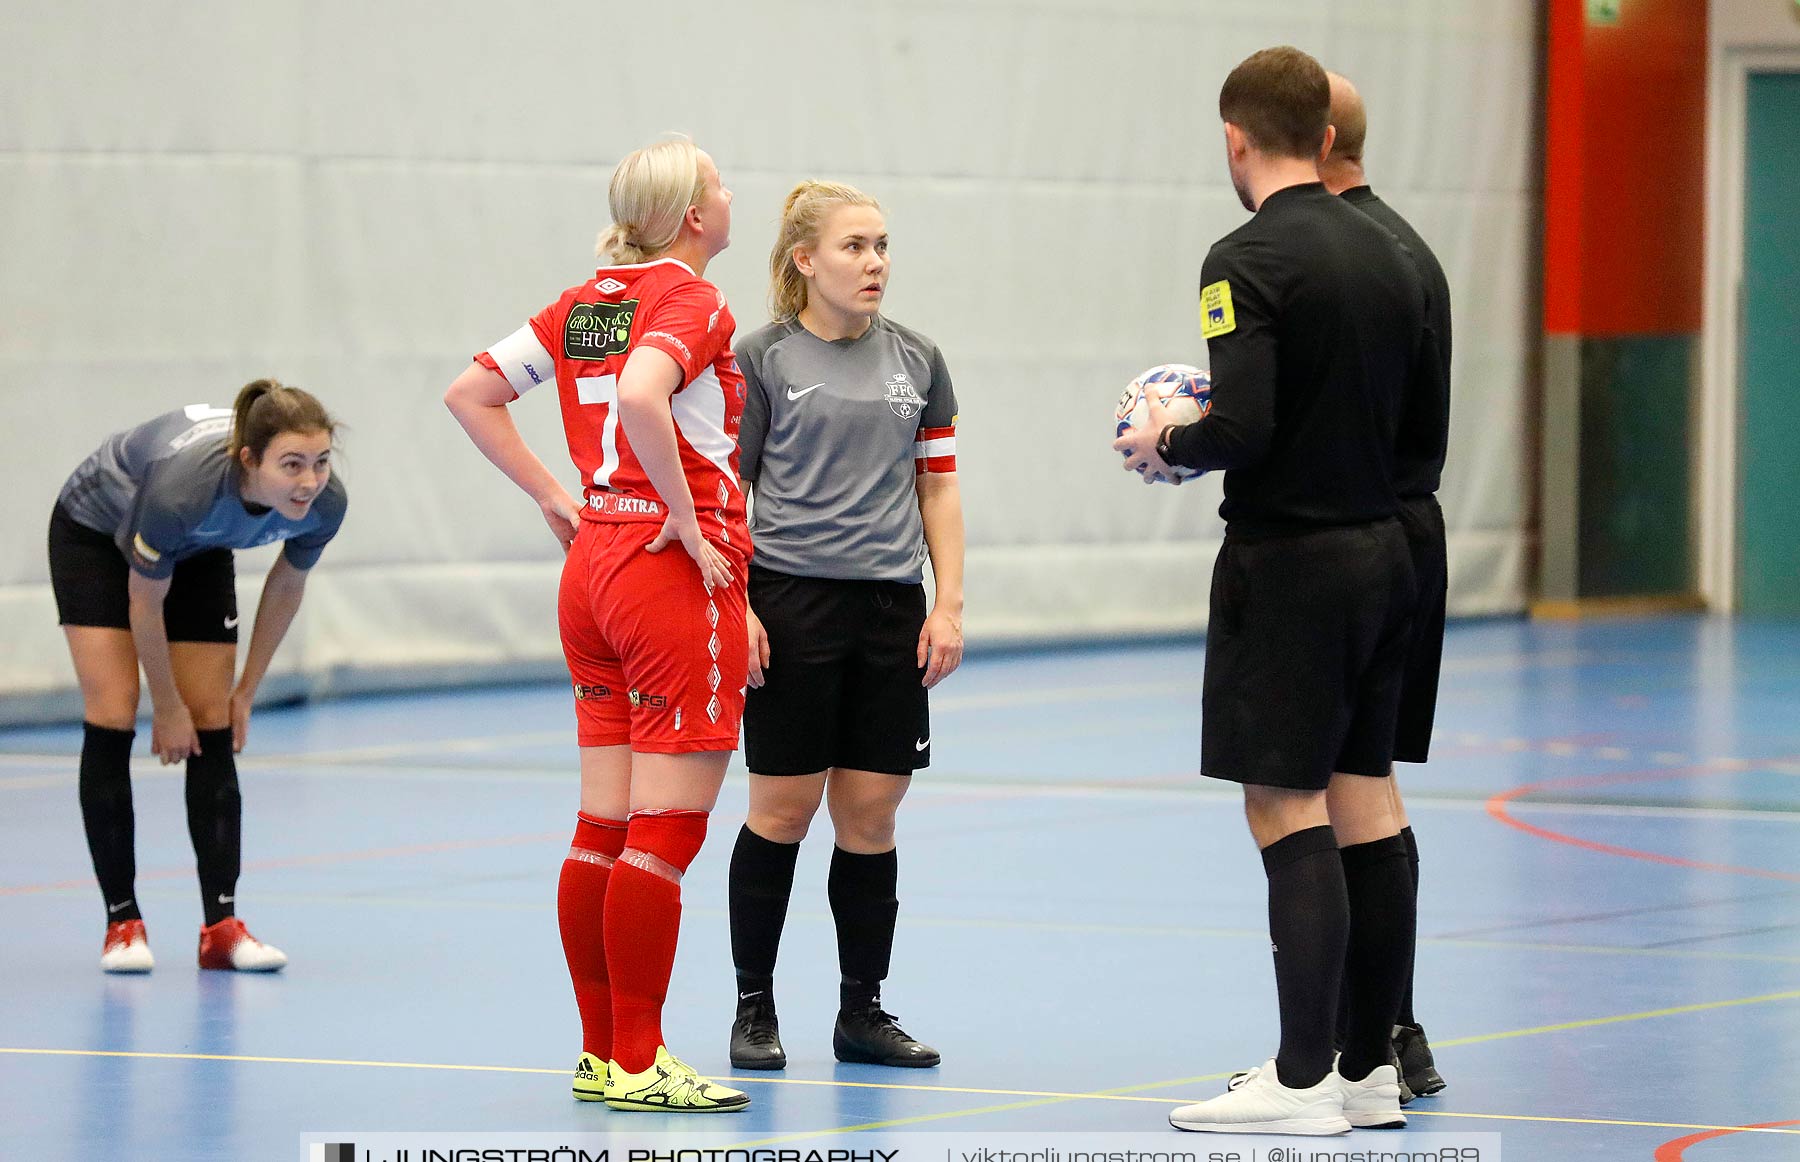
{"points": [[1215, 310], [595, 330]]}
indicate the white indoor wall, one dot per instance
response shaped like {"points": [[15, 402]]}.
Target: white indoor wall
{"points": [[356, 197]]}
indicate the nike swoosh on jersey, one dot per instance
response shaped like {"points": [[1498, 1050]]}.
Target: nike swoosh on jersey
{"points": [[792, 394], [231, 623], [922, 744]]}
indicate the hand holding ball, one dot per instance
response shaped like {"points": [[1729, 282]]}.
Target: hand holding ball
{"points": [[1186, 394]]}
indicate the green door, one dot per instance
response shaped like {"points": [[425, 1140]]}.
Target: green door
{"points": [[1769, 436]]}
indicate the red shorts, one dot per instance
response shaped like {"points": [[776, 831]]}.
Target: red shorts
{"points": [[657, 661]]}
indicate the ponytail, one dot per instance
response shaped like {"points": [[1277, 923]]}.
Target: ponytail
{"points": [[649, 196], [265, 408], [802, 217]]}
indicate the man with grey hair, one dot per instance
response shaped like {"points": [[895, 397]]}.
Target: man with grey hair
{"points": [[1419, 461]]}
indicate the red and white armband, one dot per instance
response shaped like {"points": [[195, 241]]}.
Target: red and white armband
{"points": [[935, 450]]}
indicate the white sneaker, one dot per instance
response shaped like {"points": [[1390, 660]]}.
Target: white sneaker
{"points": [[1374, 1102], [1260, 1104], [1238, 1079], [126, 949]]}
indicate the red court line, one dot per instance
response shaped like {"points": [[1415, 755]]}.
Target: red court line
{"points": [[1673, 1151], [1497, 806], [304, 860]]}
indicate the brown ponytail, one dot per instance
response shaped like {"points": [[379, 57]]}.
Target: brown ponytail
{"points": [[265, 408]]}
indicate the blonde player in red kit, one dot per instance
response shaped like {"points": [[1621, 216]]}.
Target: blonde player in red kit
{"points": [[652, 601]]}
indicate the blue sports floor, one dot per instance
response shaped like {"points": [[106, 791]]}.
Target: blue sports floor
{"points": [[1609, 958]]}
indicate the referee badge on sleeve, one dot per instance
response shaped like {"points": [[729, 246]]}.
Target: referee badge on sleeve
{"points": [[1215, 310]]}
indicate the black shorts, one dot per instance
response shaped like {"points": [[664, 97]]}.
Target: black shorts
{"points": [[1304, 655], [90, 578], [1423, 520], [844, 687]]}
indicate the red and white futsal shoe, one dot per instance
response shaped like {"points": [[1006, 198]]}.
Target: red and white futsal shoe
{"points": [[127, 948], [228, 945]]}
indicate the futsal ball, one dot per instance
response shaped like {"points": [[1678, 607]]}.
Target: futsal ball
{"points": [[1185, 391]]}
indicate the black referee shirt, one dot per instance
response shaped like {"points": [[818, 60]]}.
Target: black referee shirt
{"points": [[1314, 319], [1425, 423]]}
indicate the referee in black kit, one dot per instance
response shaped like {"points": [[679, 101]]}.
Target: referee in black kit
{"points": [[1419, 468], [1315, 323]]}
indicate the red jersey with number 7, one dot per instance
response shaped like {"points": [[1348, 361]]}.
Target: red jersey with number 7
{"points": [[583, 339]]}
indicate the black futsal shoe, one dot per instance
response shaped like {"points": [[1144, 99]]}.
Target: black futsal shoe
{"points": [[1417, 1069], [869, 1036], [756, 1035]]}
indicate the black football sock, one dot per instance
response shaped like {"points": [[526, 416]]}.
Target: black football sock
{"points": [[864, 904], [1382, 924], [761, 881], [1412, 864], [106, 814], [1309, 921], [215, 814]]}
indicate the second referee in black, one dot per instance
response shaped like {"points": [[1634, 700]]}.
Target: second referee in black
{"points": [[1315, 322]]}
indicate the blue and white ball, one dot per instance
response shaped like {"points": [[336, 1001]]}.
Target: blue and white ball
{"points": [[1185, 391]]}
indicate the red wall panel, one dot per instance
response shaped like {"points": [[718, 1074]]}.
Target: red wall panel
{"points": [[1625, 187]]}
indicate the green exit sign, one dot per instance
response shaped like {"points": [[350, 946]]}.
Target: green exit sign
{"points": [[1607, 11]]}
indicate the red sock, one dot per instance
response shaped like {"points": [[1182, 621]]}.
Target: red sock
{"points": [[643, 919], [580, 911]]}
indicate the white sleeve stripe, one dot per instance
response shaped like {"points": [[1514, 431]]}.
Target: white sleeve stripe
{"points": [[925, 449], [523, 360]]}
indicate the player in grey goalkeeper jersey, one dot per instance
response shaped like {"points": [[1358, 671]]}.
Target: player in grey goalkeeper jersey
{"points": [[140, 563], [849, 447]]}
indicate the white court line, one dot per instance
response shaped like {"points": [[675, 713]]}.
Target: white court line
{"points": [[478, 744], [1199, 790]]}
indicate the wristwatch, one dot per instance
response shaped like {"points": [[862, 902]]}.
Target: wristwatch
{"points": [[1162, 441]]}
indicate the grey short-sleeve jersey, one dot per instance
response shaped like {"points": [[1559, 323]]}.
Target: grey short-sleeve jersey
{"points": [[831, 434], [165, 491]]}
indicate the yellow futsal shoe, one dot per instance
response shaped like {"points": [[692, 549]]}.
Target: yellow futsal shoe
{"points": [[590, 1078], [671, 1086]]}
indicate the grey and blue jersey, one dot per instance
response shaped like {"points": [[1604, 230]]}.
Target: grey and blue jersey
{"points": [[167, 490], [834, 432]]}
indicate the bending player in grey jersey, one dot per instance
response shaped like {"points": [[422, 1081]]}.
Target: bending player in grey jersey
{"points": [[140, 563], [849, 440]]}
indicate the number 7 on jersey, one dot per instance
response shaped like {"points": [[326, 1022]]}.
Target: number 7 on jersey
{"points": [[603, 389]]}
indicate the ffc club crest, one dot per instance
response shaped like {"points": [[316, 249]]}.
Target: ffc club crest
{"points": [[902, 398]]}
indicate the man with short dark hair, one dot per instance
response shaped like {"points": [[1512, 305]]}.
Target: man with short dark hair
{"points": [[1424, 436], [1315, 323]]}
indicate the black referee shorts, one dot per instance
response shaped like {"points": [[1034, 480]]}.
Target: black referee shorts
{"points": [[843, 687], [1305, 652], [1423, 520], [90, 578]]}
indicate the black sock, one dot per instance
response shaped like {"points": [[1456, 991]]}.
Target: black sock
{"points": [[1309, 921], [1406, 1013], [215, 814], [1381, 943], [761, 881], [1412, 864], [105, 789], [864, 903]]}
